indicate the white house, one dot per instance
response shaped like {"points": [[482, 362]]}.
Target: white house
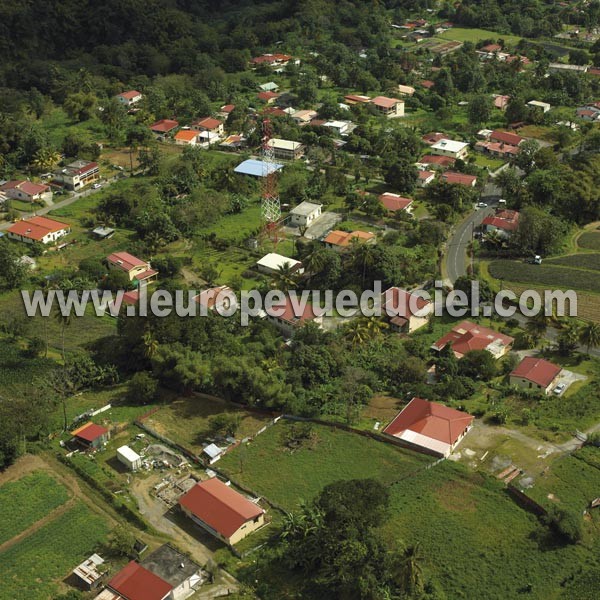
{"points": [[390, 107], [272, 263], [305, 213], [129, 98], [38, 229], [338, 127], [78, 174], [130, 458], [213, 452], [451, 148], [543, 106], [26, 191], [286, 149]]}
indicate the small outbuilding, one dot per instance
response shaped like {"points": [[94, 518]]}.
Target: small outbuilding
{"points": [[305, 213], [130, 458], [91, 436]]}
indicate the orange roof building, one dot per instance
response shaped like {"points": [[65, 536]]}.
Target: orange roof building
{"points": [[164, 126], [134, 582], [38, 229], [430, 427], [186, 137], [337, 239], [394, 202], [222, 511]]}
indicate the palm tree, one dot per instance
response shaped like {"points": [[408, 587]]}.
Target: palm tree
{"points": [[364, 329], [363, 256], [150, 344], [45, 159], [285, 278], [589, 336], [410, 570], [65, 321], [538, 326], [315, 261]]}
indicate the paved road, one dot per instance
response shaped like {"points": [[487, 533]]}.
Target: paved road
{"points": [[456, 249], [66, 201]]}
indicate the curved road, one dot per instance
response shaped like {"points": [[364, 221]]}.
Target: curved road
{"points": [[456, 249]]}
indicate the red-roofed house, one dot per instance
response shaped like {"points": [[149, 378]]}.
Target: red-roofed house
{"points": [[130, 98], [137, 270], [273, 60], [459, 178], [26, 191], [226, 110], [134, 582], [77, 174], [91, 435], [491, 48], [164, 127], [506, 137], [268, 97], [213, 298], [427, 83], [390, 107], [38, 229], [499, 149], [424, 178], [221, 511], [407, 311], [209, 124], [535, 373], [430, 427], [394, 202], [468, 336], [505, 222], [433, 161], [433, 138]]}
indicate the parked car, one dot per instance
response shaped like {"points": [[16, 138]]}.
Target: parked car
{"points": [[502, 201], [97, 186], [481, 205], [559, 389]]}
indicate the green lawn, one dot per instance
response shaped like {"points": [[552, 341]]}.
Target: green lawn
{"points": [[27, 500], [461, 34], [486, 161], [32, 568], [285, 477]]}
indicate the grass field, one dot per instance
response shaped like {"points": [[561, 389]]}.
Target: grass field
{"points": [[17, 371], [285, 477], [477, 542], [590, 240], [187, 420], [27, 500], [32, 567], [461, 34], [545, 274]]}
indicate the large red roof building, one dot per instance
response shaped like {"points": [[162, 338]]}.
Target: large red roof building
{"points": [[467, 336], [535, 373], [429, 426], [221, 510]]}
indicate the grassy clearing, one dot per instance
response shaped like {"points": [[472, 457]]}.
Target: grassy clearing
{"points": [[590, 240], [461, 34], [187, 420], [478, 542], [28, 500], [302, 474], [32, 567], [236, 228], [16, 370], [545, 274], [572, 482], [487, 161]]}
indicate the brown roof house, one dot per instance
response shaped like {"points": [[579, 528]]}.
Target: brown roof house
{"points": [[406, 311], [535, 374]]}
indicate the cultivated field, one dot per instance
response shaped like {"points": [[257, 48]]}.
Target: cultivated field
{"points": [[26, 501], [589, 240], [588, 261], [268, 468], [545, 275], [32, 567]]}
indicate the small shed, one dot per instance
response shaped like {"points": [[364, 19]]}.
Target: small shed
{"points": [[130, 458], [91, 435], [213, 452], [88, 572], [103, 233], [305, 213]]}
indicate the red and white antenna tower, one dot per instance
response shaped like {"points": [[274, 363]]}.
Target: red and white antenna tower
{"points": [[270, 205]]}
